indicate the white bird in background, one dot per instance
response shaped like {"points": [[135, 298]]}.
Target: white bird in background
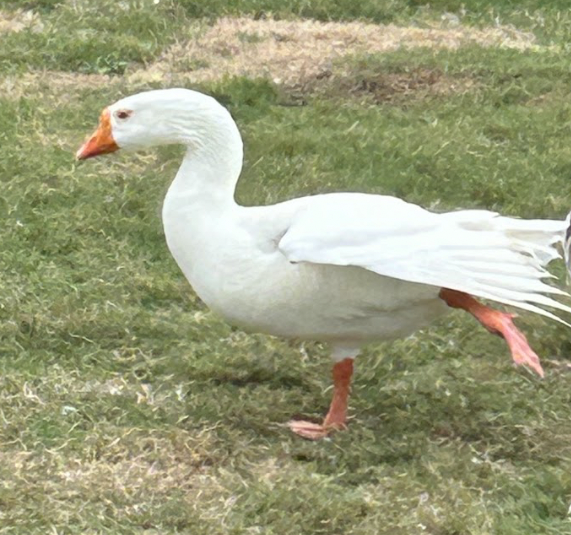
{"points": [[343, 268]]}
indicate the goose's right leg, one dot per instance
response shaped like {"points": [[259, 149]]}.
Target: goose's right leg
{"points": [[499, 323]]}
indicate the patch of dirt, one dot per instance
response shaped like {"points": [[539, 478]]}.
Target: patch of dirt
{"points": [[296, 53], [16, 21], [392, 87]]}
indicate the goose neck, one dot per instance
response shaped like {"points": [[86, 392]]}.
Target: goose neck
{"points": [[209, 172]]}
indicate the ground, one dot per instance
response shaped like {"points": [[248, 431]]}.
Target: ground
{"points": [[126, 407]]}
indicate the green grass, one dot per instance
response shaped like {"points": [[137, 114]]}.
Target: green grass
{"points": [[126, 407], [102, 37], [378, 10]]}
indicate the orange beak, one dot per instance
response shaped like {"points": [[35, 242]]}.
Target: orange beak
{"points": [[101, 142]]}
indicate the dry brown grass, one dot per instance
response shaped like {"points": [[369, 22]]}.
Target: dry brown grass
{"points": [[16, 21], [111, 468], [304, 55], [294, 53], [52, 83], [125, 472]]}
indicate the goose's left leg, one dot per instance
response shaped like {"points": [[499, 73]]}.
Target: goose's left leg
{"points": [[498, 323], [337, 415]]}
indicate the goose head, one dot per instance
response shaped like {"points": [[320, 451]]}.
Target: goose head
{"points": [[162, 117]]}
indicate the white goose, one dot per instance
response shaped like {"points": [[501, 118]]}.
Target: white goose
{"points": [[343, 268]]}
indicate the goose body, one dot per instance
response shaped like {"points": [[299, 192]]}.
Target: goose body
{"points": [[237, 264], [343, 268]]}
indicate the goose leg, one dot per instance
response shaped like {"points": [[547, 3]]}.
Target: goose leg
{"points": [[499, 323], [337, 415]]}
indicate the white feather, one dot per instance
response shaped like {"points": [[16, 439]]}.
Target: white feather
{"points": [[473, 251]]}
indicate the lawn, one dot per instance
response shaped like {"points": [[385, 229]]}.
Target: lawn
{"points": [[127, 407]]}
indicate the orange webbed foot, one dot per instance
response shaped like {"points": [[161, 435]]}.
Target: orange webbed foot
{"points": [[312, 430], [497, 322]]}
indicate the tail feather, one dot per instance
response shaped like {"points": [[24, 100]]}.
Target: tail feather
{"points": [[518, 280], [511, 270]]}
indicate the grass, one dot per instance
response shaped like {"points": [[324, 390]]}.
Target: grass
{"points": [[102, 37], [126, 407]]}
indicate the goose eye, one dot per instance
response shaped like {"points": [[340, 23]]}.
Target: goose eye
{"points": [[123, 114]]}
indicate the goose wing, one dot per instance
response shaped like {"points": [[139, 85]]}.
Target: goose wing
{"points": [[473, 251]]}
